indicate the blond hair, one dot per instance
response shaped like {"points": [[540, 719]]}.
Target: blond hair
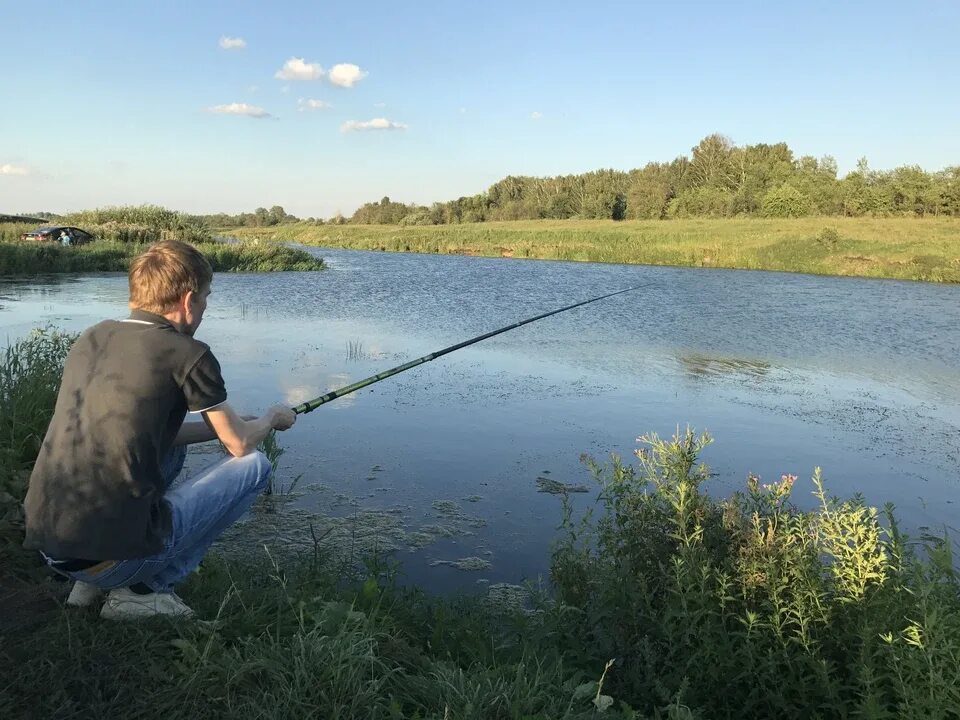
{"points": [[164, 273]]}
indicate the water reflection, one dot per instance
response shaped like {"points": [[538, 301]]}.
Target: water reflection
{"points": [[701, 366]]}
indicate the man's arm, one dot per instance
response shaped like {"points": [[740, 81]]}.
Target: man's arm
{"points": [[239, 436], [194, 432]]}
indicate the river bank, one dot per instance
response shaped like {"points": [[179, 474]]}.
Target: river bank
{"points": [[22, 259], [906, 249]]}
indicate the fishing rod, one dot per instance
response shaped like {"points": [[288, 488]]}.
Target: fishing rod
{"points": [[312, 405]]}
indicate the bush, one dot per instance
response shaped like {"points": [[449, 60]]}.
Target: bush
{"points": [[752, 608], [785, 201], [828, 237]]}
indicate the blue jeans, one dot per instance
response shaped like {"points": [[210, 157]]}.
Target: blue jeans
{"points": [[203, 506]]}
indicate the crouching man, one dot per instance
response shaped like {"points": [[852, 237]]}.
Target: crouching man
{"points": [[101, 505]]}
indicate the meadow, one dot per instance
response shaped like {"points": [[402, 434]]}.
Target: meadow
{"points": [[663, 602], [901, 248]]}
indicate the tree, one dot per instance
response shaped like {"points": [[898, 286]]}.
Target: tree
{"points": [[276, 215], [261, 217], [785, 201], [711, 163]]}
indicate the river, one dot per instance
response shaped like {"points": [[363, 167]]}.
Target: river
{"points": [[787, 372]]}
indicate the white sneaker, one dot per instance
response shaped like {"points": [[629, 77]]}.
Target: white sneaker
{"points": [[83, 595], [124, 604]]}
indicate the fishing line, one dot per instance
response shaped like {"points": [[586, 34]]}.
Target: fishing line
{"points": [[312, 405]]}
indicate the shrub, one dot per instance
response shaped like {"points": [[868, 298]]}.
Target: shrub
{"points": [[752, 608], [828, 237], [785, 201]]}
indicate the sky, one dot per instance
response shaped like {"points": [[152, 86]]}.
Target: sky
{"points": [[321, 106]]}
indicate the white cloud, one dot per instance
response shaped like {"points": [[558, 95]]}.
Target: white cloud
{"points": [[375, 124], [298, 69], [229, 43], [536, 115], [463, 111], [253, 88], [11, 169], [311, 104], [379, 105], [239, 109], [346, 75]]}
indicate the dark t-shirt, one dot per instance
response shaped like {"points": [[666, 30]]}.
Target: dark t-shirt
{"points": [[96, 491]]}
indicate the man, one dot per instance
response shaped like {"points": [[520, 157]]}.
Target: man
{"points": [[100, 505], [66, 239]]}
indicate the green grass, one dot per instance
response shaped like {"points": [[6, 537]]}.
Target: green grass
{"points": [[909, 249], [665, 603], [30, 372], [18, 258]]}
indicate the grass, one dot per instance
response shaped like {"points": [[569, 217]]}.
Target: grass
{"points": [[30, 371], [665, 603], [18, 258], [908, 249]]}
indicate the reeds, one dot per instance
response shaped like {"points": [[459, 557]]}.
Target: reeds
{"points": [[102, 256]]}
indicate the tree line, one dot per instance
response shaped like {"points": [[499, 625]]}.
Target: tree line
{"points": [[718, 179]]}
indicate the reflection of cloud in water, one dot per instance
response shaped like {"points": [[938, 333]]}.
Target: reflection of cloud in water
{"points": [[303, 391], [296, 394]]}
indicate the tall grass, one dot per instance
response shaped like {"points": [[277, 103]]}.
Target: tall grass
{"points": [[11, 232], [30, 372], [101, 256], [752, 608], [144, 223], [908, 249], [258, 256]]}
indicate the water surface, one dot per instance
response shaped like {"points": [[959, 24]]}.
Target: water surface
{"points": [[787, 372]]}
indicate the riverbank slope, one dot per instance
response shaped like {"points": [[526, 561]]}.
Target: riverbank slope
{"points": [[900, 248]]}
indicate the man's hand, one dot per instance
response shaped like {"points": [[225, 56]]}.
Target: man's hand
{"points": [[281, 417], [241, 435]]}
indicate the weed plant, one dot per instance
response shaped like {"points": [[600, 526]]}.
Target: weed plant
{"points": [[750, 607], [30, 374]]}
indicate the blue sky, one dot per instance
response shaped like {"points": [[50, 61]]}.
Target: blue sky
{"points": [[107, 103]]}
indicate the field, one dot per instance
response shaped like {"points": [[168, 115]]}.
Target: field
{"points": [[906, 249]]}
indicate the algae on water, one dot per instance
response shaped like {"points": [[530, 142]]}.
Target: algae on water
{"points": [[467, 563], [453, 512], [555, 487]]}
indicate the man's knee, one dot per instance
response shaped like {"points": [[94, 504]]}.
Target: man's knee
{"points": [[260, 468]]}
